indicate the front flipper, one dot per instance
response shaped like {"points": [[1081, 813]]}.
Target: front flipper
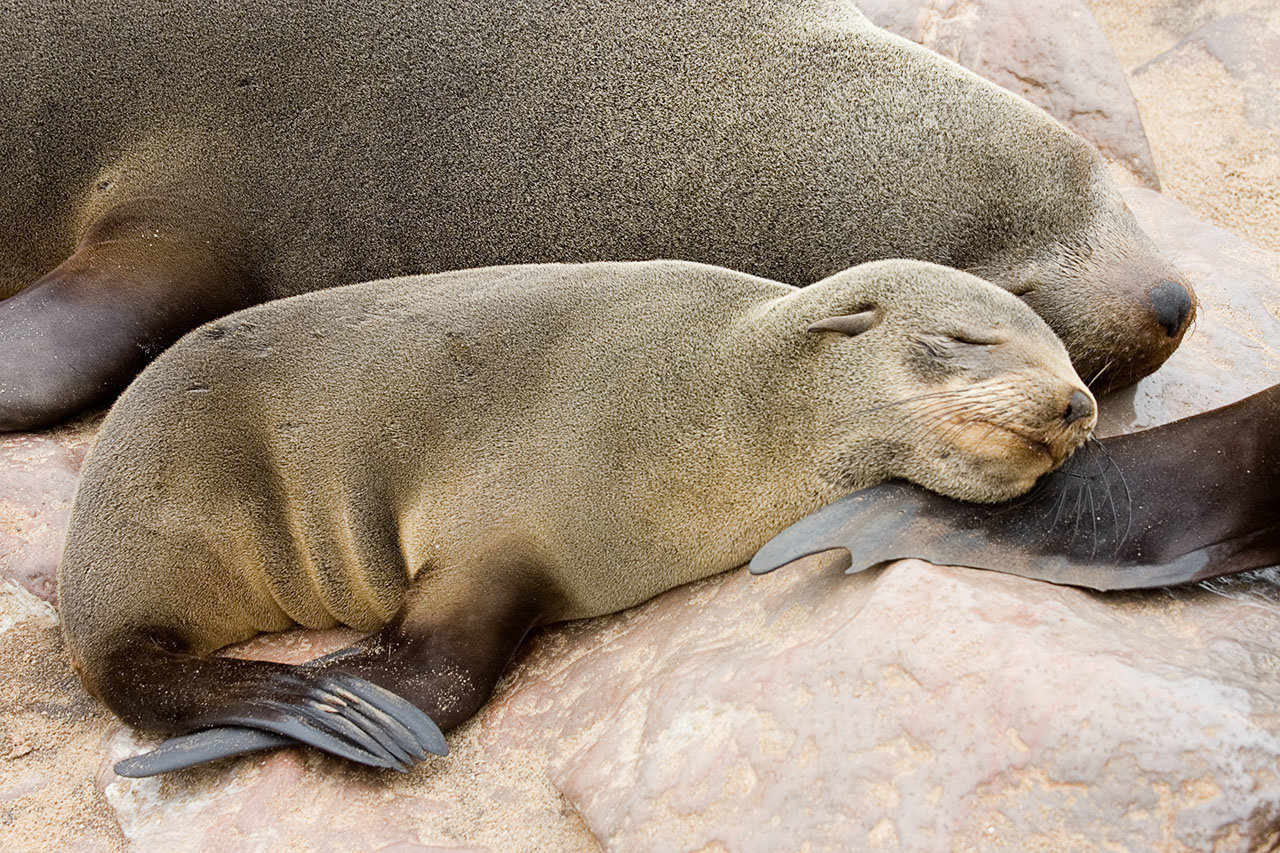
{"points": [[338, 713], [896, 521], [1183, 502], [146, 272]]}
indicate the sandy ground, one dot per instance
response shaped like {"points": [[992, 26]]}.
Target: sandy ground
{"points": [[50, 740], [1214, 127]]}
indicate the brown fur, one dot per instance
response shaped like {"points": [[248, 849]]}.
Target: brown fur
{"points": [[309, 145], [588, 435]]}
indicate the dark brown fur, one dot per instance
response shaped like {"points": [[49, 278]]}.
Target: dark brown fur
{"points": [[265, 149]]}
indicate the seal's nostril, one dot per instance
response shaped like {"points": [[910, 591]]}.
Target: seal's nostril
{"points": [[1079, 408], [1172, 304]]}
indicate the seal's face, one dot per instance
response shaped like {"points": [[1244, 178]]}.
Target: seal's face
{"points": [[1119, 307], [970, 393], [998, 416]]}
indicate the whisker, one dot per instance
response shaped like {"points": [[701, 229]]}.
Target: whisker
{"points": [[1128, 496], [1082, 486], [1101, 371], [1093, 518], [1096, 450], [1060, 503]]}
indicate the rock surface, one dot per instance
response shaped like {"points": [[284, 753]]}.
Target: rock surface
{"points": [[1051, 52], [915, 707], [37, 479], [1206, 76], [1232, 349], [919, 708]]}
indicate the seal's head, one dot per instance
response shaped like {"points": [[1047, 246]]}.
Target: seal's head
{"points": [[1074, 252], [949, 381]]}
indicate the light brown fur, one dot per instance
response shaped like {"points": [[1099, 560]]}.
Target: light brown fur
{"points": [[608, 430]]}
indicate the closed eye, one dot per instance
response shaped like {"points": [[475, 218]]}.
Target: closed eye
{"points": [[974, 341], [951, 346], [938, 346], [947, 347]]}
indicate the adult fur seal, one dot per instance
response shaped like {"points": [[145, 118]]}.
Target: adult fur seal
{"points": [[170, 162], [1183, 502], [457, 458]]}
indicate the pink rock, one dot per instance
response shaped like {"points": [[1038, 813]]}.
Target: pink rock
{"points": [[915, 708], [37, 482], [1231, 351], [1051, 52], [296, 799]]}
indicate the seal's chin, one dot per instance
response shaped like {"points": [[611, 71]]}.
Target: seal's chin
{"points": [[1107, 372], [986, 481], [1027, 443]]}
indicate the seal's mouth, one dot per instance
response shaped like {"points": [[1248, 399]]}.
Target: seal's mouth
{"points": [[1017, 437], [1049, 447], [1034, 444]]}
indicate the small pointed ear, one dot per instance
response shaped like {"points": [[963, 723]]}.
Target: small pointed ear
{"points": [[848, 324]]}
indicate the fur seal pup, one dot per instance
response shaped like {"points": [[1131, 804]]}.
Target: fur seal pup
{"points": [[451, 460], [170, 162], [1190, 500]]}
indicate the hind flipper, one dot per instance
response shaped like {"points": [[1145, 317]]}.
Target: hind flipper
{"points": [[144, 274], [898, 521], [183, 751]]}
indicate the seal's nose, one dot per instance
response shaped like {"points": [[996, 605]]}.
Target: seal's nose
{"points": [[1079, 408], [1172, 304]]}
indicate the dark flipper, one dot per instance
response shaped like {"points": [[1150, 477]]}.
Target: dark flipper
{"points": [[1187, 501], [381, 702], [179, 753], [143, 275], [335, 712]]}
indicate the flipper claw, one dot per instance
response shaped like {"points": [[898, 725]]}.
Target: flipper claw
{"points": [[396, 737], [339, 725], [400, 711]]}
